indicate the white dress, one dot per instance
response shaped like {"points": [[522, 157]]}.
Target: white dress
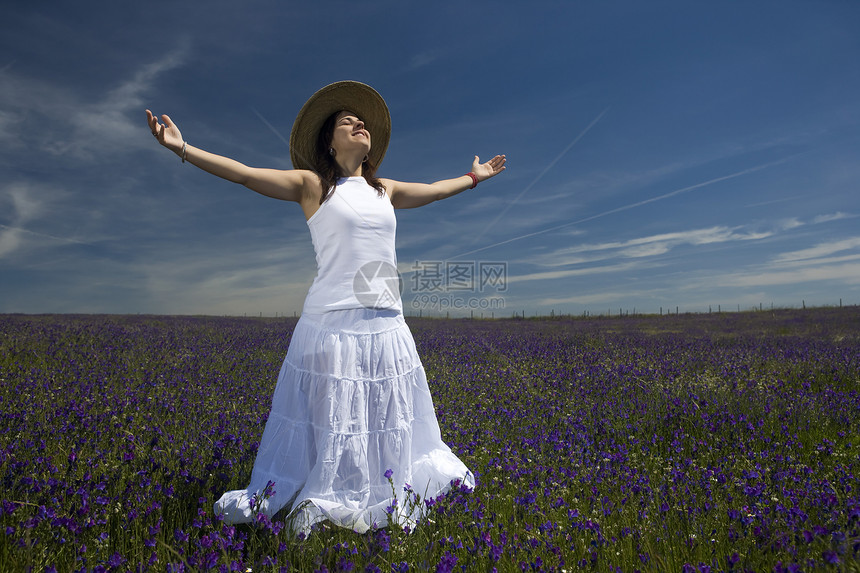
{"points": [[352, 400]]}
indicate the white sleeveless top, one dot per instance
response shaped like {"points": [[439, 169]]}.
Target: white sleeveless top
{"points": [[353, 237]]}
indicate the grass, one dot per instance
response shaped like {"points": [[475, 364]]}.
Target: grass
{"points": [[721, 442]]}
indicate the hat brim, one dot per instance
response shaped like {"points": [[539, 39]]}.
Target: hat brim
{"points": [[356, 97]]}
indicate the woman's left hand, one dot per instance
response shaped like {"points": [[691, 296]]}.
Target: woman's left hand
{"points": [[484, 171]]}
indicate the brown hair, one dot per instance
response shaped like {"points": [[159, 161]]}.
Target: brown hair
{"points": [[327, 168]]}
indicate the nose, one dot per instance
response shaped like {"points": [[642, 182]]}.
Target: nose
{"points": [[359, 125]]}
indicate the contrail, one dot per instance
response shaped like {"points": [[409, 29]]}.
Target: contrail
{"points": [[632, 205], [45, 235], [540, 176], [270, 126]]}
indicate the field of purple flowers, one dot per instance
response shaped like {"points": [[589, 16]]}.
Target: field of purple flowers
{"points": [[719, 442]]}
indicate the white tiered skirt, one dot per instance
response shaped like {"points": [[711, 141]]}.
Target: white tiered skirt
{"points": [[351, 403]]}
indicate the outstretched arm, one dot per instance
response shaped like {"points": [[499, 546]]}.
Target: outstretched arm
{"points": [[411, 195], [280, 184]]}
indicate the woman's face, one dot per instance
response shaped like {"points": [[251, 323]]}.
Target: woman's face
{"points": [[350, 134]]}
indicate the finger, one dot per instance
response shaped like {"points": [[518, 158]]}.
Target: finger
{"points": [[167, 121], [154, 125]]}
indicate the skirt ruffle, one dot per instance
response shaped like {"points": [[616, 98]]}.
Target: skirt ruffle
{"points": [[351, 403]]}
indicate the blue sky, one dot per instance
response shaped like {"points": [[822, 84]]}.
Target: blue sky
{"points": [[660, 154]]}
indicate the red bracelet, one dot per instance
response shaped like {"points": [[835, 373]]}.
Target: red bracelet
{"points": [[474, 179]]}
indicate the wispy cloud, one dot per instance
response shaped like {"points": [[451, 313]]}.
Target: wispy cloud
{"points": [[820, 250], [550, 275], [117, 119], [663, 243], [812, 265], [422, 59], [643, 254], [648, 246], [23, 205], [848, 273], [232, 283], [832, 217], [54, 118], [9, 128], [590, 298]]}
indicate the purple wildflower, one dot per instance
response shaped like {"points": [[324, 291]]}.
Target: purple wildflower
{"points": [[446, 563]]}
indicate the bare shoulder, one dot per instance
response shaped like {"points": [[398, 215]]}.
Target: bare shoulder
{"points": [[285, 184], [306, 177], [302, 181], [390, 186]]}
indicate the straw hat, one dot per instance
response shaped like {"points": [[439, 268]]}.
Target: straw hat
{"points": [[356, 97]]}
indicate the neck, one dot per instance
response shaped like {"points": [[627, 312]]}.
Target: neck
{"points": [[351, 168]]}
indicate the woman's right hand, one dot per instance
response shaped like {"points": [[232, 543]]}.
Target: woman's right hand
{"points": [[166, 133]]}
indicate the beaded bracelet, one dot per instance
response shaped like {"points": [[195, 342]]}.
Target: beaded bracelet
{"points": [[474, 179]]}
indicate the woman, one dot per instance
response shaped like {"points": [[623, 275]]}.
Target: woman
{"points": [[351, 409]]}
